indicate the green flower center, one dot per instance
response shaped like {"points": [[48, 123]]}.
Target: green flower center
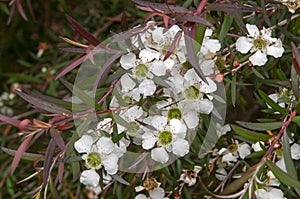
{"points": [[187, 65], [141, 71], [93, 160], [174, 113], [232, 148], [165, 138], [259, 43], [192, 93], [135, 128]]}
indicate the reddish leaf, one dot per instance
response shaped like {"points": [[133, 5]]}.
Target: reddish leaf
{"points": [[21, 10], [10, 121], [296, 58], [162, 7], [23, 124], [26, 155], [70, 67], [84, 33], [11, 13], [192, 18], [105, 70], [73, 50], [230, 8], [30, 9], [201, 6], [19, 153], [48, 160], [189, 42], [43, 104], [57, 138], [173, 45], [61, 168]]}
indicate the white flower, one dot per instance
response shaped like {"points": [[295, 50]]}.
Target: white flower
{"points": [[261, 44], [221, 174], [270, 193], [190, 176], [256, 147], [295, 151], [98, 152], [234, 151], [90, 178], [169, 136], [209, 45], [222, 130]]}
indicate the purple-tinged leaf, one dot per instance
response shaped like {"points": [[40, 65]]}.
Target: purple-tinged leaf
{"points": [[239, 20], [201, 7], [162, 7], [84, 33], [57, 138], [173, 45], [124, 23], [25, 154], [10, 121], [73, 50], [189, 42], [61, 168], [19, 153], [71, 66], [29, 5], [43, 104], [48, 160], [128, 34], [38, 189], [90, 55], [21, 10], [296, 58], [105, 70], [11, 13], [230, 8], [192, 18]]}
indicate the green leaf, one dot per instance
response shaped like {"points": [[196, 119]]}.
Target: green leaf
{"points": [[256, 154], [225, 26], [260, 126], [233, 90], [288, 158], [283, 177], [273, 104], [257, 73], [250, 135], [296, 119]]}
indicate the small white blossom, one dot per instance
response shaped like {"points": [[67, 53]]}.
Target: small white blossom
{"points": [[270, 193], [261, 44]]}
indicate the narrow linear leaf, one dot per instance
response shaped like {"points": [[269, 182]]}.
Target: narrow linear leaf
{"points": [[191, 54], [173, 45], [84, 33], [257, 73], [295, 82], [43, 104], [120, 180], [264, 11], [25, 156], [84, 97], [105, 70], [70, 66], [230, 7], [57, 138], [48, 160], [10, 121], [19, 153], [274, 105], [260, 126], [296, 119], [289, 164], [296, 58], [160, 6], [233, 90], [225, 26], [283, 177], [250, 135], [192, 18]]}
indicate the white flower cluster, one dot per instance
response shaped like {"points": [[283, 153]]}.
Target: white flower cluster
{"points": [[159, 102], [4, 98]]}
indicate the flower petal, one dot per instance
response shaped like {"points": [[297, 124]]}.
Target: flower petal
{"points": [[128, 61], [258, 59], [275, 50], [105, 145], [84, 144], [252, 30], [159, 155], [127, 83], [90, 178], [157, 193], [147, 87], [244, 44], [159, 122], [148, 140], [180, 147], [191, 119], [110, 164]]}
